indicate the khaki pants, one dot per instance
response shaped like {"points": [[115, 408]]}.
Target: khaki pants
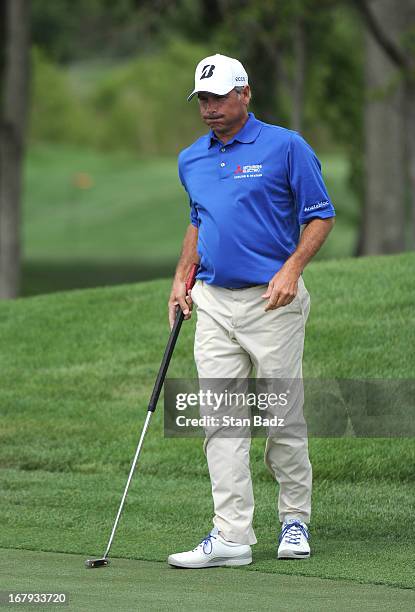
{"points": [[233, 335]]}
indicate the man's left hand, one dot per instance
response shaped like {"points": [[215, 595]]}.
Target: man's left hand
{"points": [[282, 288]]}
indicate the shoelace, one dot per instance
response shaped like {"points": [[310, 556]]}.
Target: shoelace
{"points": [[293, 532], [206, 543]]}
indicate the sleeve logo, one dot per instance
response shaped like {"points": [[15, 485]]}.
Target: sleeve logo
{"points": [[321, 204]]}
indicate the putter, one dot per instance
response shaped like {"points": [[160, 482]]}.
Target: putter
{"points": [[190, 281]]}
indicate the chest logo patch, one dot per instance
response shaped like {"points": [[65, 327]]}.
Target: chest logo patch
{"points": [[248, 171]]}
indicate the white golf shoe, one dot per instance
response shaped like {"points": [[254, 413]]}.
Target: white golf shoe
{"points": [[293, 541], [213, 551]]}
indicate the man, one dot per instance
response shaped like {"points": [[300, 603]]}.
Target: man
{"points": [[251, 186]]}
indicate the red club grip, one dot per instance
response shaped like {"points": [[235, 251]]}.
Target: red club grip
{"points": [[190, 281]]}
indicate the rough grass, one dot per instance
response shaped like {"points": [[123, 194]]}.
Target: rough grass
{"points": [[77, 370]]}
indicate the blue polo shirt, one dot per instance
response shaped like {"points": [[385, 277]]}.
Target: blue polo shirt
{"points": [[248, 198]]}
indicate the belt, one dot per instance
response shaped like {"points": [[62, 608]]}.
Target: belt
{"points": [[239, 288]]}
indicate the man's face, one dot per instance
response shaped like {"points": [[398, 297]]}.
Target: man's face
{"points": [[223, 113]]}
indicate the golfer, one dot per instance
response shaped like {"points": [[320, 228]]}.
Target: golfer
{"points": [[251, 185]]}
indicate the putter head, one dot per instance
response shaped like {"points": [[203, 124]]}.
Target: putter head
{"points": [[89, 563]]}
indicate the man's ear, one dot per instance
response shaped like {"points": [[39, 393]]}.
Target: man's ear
{"points": [[247, 94]]}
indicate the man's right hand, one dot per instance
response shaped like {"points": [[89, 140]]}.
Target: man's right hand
{"points": [[178, 297]]}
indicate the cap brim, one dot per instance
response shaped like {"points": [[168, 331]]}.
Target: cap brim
{"points": [[212, 90]]}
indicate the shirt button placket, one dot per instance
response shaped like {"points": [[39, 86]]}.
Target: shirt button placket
{"points": [[222, 169]]}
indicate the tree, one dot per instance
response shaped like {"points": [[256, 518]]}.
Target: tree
{"points": [[299, 78], [389, 124], [14, 79]]}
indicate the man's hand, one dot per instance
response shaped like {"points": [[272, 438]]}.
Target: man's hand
{"points": [[178, 297], [282, 288], [188, 258]]}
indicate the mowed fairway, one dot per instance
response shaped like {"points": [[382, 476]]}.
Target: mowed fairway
{"points": [[77, 370], [93, 219], [143, 585]]}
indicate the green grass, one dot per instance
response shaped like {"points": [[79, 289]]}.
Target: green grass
{"points": [[134, 208], [352, 527], [129, 224], [77, 370], [132, 585]]}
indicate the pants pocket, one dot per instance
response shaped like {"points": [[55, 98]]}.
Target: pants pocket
{"points": [[304, 299], [194, 291]]}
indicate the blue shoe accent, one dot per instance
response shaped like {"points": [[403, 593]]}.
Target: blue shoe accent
{"points": [[207, 541], [294, 537]]}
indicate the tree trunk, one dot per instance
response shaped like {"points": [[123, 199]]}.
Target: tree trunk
{"points": [[299, 76], [13, 113], [410, 118], [384, 218]]}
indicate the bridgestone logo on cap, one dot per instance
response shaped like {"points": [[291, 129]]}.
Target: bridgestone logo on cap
{"points": [[207, 71]]}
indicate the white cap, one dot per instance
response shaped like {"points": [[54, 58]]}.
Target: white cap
{"points": [[219, 74]]}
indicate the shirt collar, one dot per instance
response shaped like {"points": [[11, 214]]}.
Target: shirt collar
{"points": [[248, 133]]}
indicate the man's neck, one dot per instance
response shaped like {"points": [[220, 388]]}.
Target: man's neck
{"points": [[226, 137]]}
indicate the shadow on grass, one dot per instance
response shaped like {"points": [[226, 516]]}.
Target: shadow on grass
{"points": [[47, 277]]}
